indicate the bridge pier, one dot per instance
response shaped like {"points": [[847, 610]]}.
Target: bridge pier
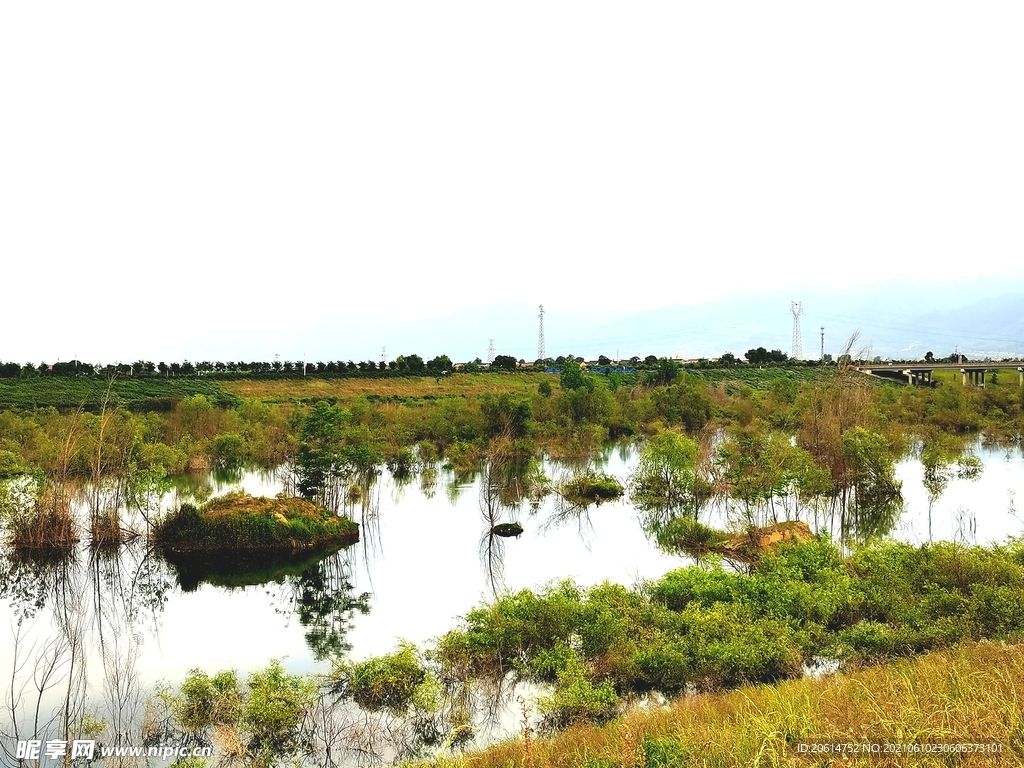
{"points": [[920, 378], [1021, 373], [977, 377]]}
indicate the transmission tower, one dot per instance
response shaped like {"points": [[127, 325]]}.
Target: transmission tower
{"points": [[796, 308], [823, 343], [490, 351], [540, 334]]}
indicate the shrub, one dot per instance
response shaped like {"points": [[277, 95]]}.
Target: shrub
{"points": [[387, 682]]}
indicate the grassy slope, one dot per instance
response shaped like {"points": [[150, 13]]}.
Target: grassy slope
{"points": [[973, 693]]}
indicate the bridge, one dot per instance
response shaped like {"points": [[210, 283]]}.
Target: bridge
{"points": [[920, 374]]}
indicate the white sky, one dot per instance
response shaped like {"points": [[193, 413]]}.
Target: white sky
{"points": [[198, 170]]}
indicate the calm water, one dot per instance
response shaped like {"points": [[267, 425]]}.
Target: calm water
{"points": [[417, 568]]}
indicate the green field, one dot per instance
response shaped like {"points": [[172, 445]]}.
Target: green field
{"points": [[89, 393]]}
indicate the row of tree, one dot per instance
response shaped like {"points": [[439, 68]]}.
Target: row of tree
{"points": [[403, 364]]}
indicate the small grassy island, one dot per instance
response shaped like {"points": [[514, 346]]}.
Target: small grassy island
{"points": [[591, 488], [241, 523]]}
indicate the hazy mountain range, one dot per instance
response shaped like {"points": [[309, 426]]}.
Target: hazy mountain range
{"points": [[897, 318], [900, 318]]}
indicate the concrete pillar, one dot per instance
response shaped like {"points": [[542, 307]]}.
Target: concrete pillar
{"points": [[1021, 372], [910, 377], [982, 377], [964, 372]]}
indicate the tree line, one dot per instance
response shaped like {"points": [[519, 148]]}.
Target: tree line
{"points": [[412, 364]]}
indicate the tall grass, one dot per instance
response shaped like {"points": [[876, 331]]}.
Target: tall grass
{"points": [[973, 693]]}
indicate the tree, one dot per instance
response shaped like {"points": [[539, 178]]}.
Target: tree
{"points": [[410, 364], [666, 372], [505, 362], [757, 356], [663, 482], [572, 375], [506, 415], [728, 359], [319, 460], [929, 357], [604, 360]]}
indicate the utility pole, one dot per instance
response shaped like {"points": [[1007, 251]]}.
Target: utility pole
{"points": [[823, 343]]}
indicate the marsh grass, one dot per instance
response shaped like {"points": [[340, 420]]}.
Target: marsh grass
{"points": [[44, 526], [973, 693], [106, 531]]}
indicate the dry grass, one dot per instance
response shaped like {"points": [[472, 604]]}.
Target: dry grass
{"points": [[311, 388], [281, 508], [45, 527], [105, 531], [970, 694]]}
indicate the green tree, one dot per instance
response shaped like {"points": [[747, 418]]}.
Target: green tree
{"points": [[319, 459], [664, 480], [504, 362], [573, 377], [440, 363], [666, 372]]}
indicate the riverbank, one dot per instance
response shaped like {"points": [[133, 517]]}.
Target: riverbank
{"points": [[967, 697]]}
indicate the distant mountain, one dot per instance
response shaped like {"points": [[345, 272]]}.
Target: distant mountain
{"points": [[900, 318], [895, 318]]}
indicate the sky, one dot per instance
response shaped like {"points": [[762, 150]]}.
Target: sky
{"points": [[230, 180]]}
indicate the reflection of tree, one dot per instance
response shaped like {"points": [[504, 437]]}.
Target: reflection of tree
{"points": [[505, 483], [323, 599], [492, 547], [26, 581], [944, 458], [872, 496]]}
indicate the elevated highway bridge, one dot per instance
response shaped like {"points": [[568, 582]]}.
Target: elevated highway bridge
{"points": [[920, 374]]}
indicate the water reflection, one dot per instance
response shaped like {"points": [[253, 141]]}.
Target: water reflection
{"points": [[104, 611], [323, 597]]}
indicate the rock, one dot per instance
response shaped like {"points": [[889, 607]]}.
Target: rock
{"points": [[507, 529], [750, 546]]}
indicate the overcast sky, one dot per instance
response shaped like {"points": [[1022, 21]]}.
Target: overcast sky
{"points": [[176, 176]]}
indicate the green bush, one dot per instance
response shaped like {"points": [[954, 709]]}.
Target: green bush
{"points": [[388, 682]]}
